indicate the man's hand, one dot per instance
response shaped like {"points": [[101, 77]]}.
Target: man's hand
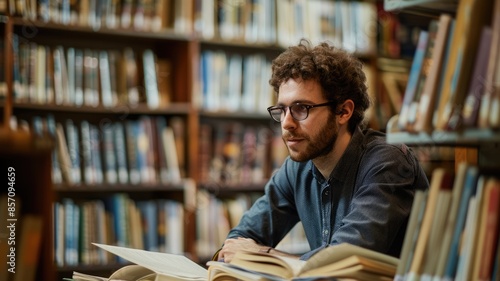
{"points": [[231, 246]]}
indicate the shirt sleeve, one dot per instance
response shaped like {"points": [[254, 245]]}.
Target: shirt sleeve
{"points": [[272, 216]]}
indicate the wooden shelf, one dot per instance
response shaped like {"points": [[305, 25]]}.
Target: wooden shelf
{"points": [[470, 137], [174, 108], [40, 26], [422, 7], [113, 188], [236, 115]]}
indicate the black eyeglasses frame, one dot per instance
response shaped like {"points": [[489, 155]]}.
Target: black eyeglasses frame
{"points": [[283, 109]]}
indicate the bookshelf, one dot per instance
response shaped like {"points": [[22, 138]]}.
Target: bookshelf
{"points": [[179, 42], [34, 102], [476, 147]]}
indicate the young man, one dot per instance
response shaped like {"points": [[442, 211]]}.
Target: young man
{"points": [[344, 184]]}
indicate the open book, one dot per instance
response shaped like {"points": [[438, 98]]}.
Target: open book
{"points": [[149, 266], [339, 261]]}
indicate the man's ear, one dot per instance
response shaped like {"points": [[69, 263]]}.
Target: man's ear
{"points": [[345, 111]]}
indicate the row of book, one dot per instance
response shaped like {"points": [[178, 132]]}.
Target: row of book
{"points": [[233, 153], [453, 230], [396, 32], [225, 213], [153, 225], [234, 82], [351, 25], [153, 15], [89, 77], [348, 24], [148, 150], [454, 78]]}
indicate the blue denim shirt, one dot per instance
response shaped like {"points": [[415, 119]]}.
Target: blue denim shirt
{"points": [[366, 201]]}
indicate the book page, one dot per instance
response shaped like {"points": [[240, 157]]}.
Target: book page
{"points": [[177, 266], [353, 263], [87, 277], [338, 252], [225, 271], [268, 263], [130, 272]]}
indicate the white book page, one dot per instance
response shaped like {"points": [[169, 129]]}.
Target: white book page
{"points": [[161, 263]]}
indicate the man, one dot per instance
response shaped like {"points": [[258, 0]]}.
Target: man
{"points": [[343, 183]]}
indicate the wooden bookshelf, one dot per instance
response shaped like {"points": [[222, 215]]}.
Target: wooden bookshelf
{"points": [[476, 150]]}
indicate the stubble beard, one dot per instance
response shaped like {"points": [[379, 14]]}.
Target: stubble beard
{"points": [[318, 145]]}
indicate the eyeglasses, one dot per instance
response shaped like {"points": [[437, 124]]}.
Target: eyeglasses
{"points": [[298, 111]]}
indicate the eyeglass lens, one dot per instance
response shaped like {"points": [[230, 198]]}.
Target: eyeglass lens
{"points": [[299, 112]]}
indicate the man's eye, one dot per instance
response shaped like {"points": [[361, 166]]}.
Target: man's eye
{"points": [[301, 107]]}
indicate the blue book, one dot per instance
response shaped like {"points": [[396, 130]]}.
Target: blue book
{"points": [[469, 190], [149, 217], [413, 78], [117, 206]]}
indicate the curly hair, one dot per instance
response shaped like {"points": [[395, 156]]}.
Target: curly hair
{"points": [[339, 73]]}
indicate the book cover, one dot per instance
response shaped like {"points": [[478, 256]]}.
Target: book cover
{"points": [[171, 154], [64, 155], [73, 140], [427, 63], [462, 53], [131, 76], [142, 150], [429, 93], [458, 186], [150, 79], [56, 167], [468, 250], [87, 168], [414, 77], [70, 60], [120, 150], [71, 231], [477, 88], [437, 228], [132, 151], [79, 73], [159, 124], [468, 191], [149, 215], [107, 99], [488, 230], [338, 261], [59, 235], [90, 86], [49, 76], [96, 153], [39, 78], [491, 73], [441, 180], [109, 155], [412, 232]]}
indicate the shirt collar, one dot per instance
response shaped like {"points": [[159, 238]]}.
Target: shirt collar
{"points": [[349, 161]]}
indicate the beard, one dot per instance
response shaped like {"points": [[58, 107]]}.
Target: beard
{"points": [[317, 145]]}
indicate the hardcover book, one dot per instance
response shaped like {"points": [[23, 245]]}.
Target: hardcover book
{"points": [[339, 261]]}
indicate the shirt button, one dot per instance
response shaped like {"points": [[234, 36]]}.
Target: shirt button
{"points": [[325, 193]]}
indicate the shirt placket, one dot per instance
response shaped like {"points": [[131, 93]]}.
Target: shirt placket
{"points": [[326, 209]]}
